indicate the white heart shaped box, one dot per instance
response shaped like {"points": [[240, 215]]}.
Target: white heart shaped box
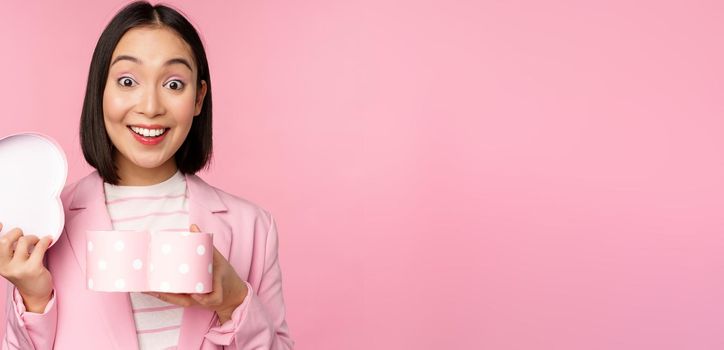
{"points": [[33, 170]]}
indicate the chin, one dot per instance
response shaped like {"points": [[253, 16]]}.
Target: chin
{"points": [[149, 163]]}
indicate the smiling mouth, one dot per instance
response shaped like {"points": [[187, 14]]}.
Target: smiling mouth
{"points": [[148, 132]]}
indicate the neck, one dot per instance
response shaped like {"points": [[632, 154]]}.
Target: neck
{"points": [[133, 175]]}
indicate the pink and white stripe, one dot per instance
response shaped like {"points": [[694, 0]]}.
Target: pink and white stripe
{"points": [[162, 206]]}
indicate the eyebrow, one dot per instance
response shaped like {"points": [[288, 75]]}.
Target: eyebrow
{"points": [[177, 60]]}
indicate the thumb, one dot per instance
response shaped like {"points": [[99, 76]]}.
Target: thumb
{"points": [[195, 228]]}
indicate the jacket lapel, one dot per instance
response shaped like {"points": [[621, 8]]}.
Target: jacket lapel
{"points": [[88, 212]]}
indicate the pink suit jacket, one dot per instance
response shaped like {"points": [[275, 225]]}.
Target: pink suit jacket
{"points": [[77, 318]]}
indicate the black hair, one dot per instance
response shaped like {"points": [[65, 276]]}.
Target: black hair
{"points": [[195, 152]]}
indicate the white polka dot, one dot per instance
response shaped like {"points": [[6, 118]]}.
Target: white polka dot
{"points": [[119, 245], [199, 287], [200, 250], [90, 246], [90, 283], [183, 268], [120, 283], [102, 265], [165, 286], [185, 234], [166, 249], [151, 267], [211, 268], [137, 264]]}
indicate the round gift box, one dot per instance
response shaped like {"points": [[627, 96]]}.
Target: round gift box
{"points": [[138, 261]]}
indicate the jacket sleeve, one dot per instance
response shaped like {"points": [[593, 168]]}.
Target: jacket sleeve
{"points": [[259, 321], [27, 330]]}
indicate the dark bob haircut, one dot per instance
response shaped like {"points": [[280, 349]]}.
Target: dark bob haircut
{"points": [[195, 152]]}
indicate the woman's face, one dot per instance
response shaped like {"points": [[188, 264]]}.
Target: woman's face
{"points": [[150, 100]]}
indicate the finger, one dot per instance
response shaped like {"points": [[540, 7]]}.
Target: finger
{"points": [[200, 298], [36, 257], [7, 241], [178, 299], [216, 296], [22, 252], [195, 228]]}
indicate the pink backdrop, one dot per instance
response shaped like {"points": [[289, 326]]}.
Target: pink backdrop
{"points": [[450, 174]]}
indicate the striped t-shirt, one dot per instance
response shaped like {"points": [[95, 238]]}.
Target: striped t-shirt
{"points": [[162, 206]]}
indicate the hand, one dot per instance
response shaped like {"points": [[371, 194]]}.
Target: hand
{"points": [[229, 291], [26, 270]]}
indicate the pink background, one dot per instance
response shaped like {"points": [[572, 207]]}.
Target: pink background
{"points": [[450, 174]]}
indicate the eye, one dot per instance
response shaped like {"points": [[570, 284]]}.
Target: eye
{"points": [[126, 82], [175, 84]]}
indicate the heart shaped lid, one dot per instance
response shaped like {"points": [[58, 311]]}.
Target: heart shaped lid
{"points": [[33, 170]]}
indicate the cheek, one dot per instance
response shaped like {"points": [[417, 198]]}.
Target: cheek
{"points": [[114, 106], [183, 109]]}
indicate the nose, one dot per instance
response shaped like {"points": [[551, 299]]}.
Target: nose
{"points": [[150, 104]]}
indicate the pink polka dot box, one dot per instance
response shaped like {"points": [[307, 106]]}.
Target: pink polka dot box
{"points": [[142, 261]]}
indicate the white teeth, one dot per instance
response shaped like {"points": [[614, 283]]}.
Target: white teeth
{"points": [[147, 132]]}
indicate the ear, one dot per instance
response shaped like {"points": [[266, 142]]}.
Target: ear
{"points": [[200, 95]]}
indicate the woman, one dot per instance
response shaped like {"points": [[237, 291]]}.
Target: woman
{"points": [[146, 128]]}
